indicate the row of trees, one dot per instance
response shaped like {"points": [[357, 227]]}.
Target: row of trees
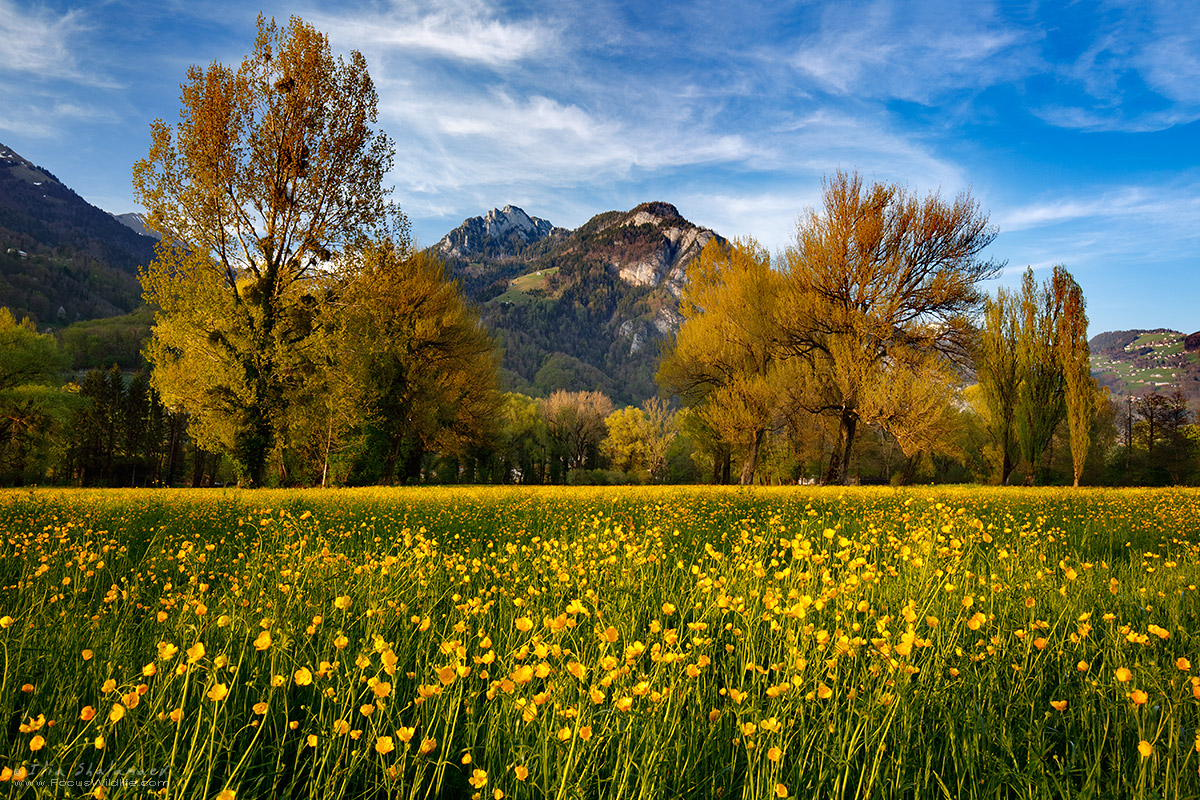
{"points": [[1034, 370], [109, 428]]}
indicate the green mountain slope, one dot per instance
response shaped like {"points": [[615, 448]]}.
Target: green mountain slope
{"points": [[1137, 362], [61, 258]]}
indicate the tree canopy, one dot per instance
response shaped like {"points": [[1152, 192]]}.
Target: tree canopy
{"points": [[724, 359], [273, 168], [877, 282]]}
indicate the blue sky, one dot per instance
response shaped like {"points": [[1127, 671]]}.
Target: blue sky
{"points": [[1075, 125]]}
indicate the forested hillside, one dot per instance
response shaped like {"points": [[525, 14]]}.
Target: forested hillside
{"points": [[1138, 362], [62, 259]]}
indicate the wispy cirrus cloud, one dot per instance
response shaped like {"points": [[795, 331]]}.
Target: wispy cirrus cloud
{"points": [[462, 30], [37, 42], [498, 138], [35, 118], [913, 50], [1139, 70], [1168, 205], [48, 81]]}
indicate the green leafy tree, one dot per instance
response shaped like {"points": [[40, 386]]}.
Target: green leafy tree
{"points": [[1162, 432], [1074, 356], [30, 363], [1041, 403], [998, 370], [520, 441], [273, 169], [119, 433]]}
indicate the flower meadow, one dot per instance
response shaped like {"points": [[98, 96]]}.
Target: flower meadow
{"points": [[600, 643]]}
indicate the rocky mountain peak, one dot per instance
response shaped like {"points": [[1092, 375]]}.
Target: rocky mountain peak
{"points": [[676, 244], [135, 222], [502, 232], [654, 213]]}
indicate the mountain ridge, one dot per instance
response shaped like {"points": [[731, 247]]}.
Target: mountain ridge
{"points": [[593, 304], [61, 258], [587, 308]]}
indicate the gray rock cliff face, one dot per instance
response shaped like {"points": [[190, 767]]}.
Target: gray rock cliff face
{"points": [[502, 232], [681, 243]]}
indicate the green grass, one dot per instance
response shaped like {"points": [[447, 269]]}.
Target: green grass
{"points": [[520, 288], [604, 643]]}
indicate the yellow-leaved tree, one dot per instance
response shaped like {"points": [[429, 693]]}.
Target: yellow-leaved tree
{"points": [[273, 169], [880, 289], [725, 358]]}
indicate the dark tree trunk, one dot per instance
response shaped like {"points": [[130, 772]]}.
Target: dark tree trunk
{"points": [[751, 462], [198, 459], [721, 460], [839, 460], [412, 462]]}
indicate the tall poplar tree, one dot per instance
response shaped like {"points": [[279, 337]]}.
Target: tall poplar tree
{"points": [[1075, 357], [273, 168], [998, 370], [1041, 402]]}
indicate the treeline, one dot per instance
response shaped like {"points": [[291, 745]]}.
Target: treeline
{"points": [[57, 286], [108, 427]]}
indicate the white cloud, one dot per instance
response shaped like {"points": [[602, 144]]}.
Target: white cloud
{"points": [[912, 50], [46, 117], [458, 31], [38, 43], [1140, 73], [768, 217], [1175, 206], [498, 138]]}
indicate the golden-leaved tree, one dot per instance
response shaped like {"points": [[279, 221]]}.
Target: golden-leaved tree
{"points": [[724, 360], [880, 289], [416, 363], [638, 438], [273, 169]]}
